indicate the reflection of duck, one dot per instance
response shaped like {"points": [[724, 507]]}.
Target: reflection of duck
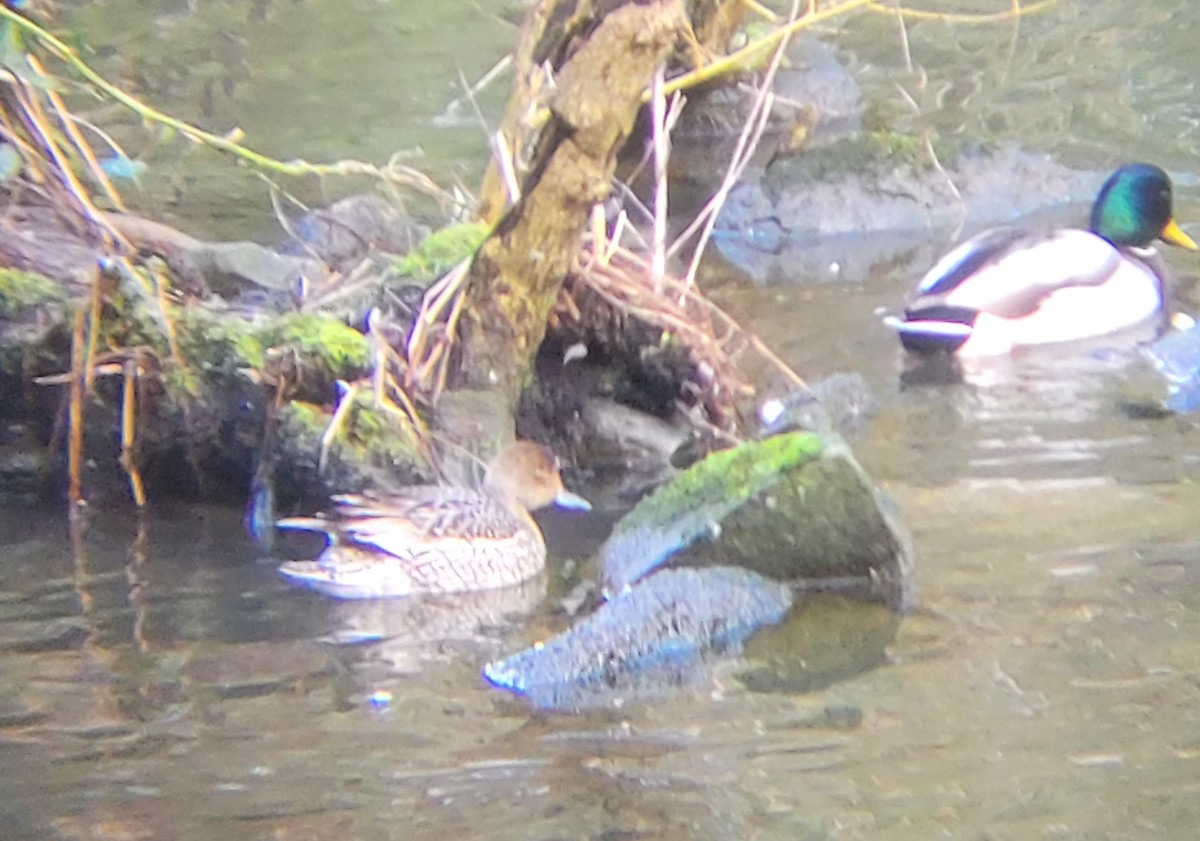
{"points": [[1012, 287], [432, 539]]}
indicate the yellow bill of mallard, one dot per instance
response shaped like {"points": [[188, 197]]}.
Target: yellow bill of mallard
{"points": [[1175, 235]]}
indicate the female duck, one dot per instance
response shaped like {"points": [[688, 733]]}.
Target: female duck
{"points": [[432, 539], [1012, 287]]}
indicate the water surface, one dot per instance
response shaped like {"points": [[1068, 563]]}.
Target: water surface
{"points": [[166, 684]]}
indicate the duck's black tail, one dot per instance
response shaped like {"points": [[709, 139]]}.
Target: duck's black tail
{"points": [[934, 328]]}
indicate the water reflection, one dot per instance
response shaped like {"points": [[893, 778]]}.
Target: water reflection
{"points": [[1045, 686]]}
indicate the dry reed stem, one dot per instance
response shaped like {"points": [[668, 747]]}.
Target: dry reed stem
{"points": [[743, 151], [75, 411], [129, 429], [661, 138], [667, 309], [67, 121], [39, 127], [336, 421]]}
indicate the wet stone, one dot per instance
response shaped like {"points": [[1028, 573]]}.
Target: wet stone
{"points": [[792, 507], [844, 212]]}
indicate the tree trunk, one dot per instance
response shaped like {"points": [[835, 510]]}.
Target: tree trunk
{"points": [[604, 64]]}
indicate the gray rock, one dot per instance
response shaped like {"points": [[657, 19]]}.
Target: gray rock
{"points": [[837, 214]]}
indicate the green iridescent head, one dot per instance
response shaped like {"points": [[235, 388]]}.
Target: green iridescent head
{"points": [[1134, 208]]}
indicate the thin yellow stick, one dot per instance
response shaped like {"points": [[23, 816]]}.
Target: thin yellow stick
{"points": [[75, 411], [129, 431], [68, 123], [738, 60]]}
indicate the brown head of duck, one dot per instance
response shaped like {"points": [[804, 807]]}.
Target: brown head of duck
{"points": [[527, 474]]}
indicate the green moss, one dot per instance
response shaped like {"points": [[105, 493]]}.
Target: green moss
{"points": [[321, 338], [368, 445], [724, 480], [375, 436], [896, 145], [219, 343], [443, 249], [22, 290], [133, 320], [305, 420]]}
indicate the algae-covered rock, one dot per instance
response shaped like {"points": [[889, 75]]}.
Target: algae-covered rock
{"points": [[788, 507], [369, 450], [33, 308], [442, 249]]}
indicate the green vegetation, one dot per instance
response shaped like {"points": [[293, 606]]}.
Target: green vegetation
{"points": [[323, 342], [377, 438], [724, 480], [219, 343], [443, 249], [874, 152], [21, 290]]}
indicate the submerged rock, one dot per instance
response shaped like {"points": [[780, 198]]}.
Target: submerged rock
{"points": [[349, 230], [840, 404], [1176, 356], [649, 638], [825, 639], [816, 98], [791, 507], [836, 213]]}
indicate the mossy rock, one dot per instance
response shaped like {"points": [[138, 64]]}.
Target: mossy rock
{"points": [[34, 316], [370, 451], [20, 291], [789, 507], [217, 343], [442, 250], [327, 349]]}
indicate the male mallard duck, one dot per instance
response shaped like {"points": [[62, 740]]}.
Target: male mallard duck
{"points": [[433, 539], [1012, 287]]}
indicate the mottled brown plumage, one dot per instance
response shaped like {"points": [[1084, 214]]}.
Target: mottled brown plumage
{"points": [[433, 539]]}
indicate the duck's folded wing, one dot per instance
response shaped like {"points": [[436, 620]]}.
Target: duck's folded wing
{"points": [[396, 525], [317, 524], [1010, 272]]}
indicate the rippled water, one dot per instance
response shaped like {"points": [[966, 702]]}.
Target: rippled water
{"points": [[1047, 685]]}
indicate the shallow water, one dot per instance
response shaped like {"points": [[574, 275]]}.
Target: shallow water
{"points": [[168, 685]]}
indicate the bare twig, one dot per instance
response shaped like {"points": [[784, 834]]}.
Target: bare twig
{"points": [[129, 430], [756, 123]]}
